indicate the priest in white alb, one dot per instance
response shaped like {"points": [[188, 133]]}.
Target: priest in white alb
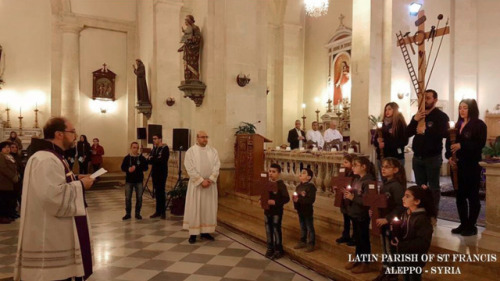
{"points": [[202, 165], [54, 237], [332, 133], [315, 135]]}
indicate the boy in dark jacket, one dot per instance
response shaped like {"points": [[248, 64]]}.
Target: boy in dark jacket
{"points": [[274, 214], [134, 165], [303, 199]]}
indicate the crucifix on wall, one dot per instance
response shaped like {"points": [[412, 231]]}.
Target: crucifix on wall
{"points": [[419, 38]]}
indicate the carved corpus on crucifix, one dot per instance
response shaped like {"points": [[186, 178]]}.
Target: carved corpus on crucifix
{"points": [[419, 38]]}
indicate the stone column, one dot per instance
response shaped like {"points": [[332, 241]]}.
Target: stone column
{"points": [[465, 53], [387, 46], [492, 232], [167, 28], [70, 72]]}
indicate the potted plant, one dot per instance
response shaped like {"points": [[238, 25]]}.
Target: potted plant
{"points": [[245, 128], [374, 120], [177, 197], [492, 150]]}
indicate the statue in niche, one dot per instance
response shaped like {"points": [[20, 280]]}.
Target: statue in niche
{"points": [[142, 86], [192, 40], [340, 91]]}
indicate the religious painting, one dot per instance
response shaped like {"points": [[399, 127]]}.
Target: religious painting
{"points": [[103, 86], [341, 77]]}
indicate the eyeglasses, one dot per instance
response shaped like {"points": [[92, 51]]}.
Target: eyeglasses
{"points": [[70, 131]]}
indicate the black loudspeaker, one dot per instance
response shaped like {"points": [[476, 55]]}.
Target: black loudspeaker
{"points": [[181, 139], [152, 130], [141, 133]]}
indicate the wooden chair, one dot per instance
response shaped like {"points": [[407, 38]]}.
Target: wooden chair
{"points": [[310, 144], [334, 143], [356, 145]]}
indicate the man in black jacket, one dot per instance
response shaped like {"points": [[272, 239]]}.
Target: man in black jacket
{"points": [[134, 165], [428, 144], [296, 136], [159, 171]]}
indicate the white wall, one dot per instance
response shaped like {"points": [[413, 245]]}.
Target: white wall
{"points": [[25, 37], [110, 127]]}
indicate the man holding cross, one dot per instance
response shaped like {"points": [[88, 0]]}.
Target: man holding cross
{"points": [[428, 144]]}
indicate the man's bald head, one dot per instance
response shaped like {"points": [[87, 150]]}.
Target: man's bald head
{"points": [[202, 138]]}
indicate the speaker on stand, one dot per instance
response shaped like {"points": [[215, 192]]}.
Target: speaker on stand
{"points": [[180, 142]]}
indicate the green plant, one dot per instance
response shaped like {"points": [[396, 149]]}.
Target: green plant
{"points": [[180, 190], [493, 150], [374, 120], [245, 128]]}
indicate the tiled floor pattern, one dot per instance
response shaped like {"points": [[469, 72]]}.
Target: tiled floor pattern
{"points": [[158, 249]]}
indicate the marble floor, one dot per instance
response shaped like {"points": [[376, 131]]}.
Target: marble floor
{"points": [[158, 249]]}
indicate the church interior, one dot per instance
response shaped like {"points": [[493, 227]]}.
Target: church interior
{"points": [[120, 70]]}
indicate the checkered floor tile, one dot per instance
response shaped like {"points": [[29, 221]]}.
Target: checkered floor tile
{"points": [[152, 249]]}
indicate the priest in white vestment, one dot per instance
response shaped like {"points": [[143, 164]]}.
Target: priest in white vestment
{"points": [[332, 133], [54, 238], [202, 164], [315, 135]]}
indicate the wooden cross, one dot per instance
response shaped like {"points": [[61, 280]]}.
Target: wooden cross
{"points": [[419, 39], [104, 68], [374, 200]]}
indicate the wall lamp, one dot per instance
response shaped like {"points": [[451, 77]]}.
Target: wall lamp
{"points": [[414, 8]]}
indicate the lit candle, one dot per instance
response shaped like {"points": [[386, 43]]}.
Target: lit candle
{"points": [[36, 105], [20, 112], [396, 227], [304, 109], [295, 194], [452, 124], [349, 188], [379, 125]]}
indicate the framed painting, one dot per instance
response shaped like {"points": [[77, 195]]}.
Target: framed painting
{"points": [[103, 86]]}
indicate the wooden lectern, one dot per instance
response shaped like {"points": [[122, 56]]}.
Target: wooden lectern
{"points": [[249, 163]]}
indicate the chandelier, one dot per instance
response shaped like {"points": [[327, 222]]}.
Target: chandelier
{"points": [[316, 8]]}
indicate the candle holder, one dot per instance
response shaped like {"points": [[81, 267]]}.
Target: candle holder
{"points": [[304, 121], [36, 118], [7, 123], [20, 125], [452, 131], [317, 115], [329, 102], [380, 136]]}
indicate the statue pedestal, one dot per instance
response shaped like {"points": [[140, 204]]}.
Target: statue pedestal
{"points": [[194, 89], [144, 109]]}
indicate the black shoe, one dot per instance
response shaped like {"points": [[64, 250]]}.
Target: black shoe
{"points": [[163, 217], [155, 215], [351, 243], [469, 231], [138, 217], [192, 239], [269, 253], [207, 236], [342, 239], [126, 217], [458, 230], [277, 255]]}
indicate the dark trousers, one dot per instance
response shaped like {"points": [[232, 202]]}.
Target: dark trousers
{"points": [[427, 171], [96, 167], [139, 190], [468, 203], [273, 232], [346, 233], [307, 228], [362, 235], [159, 187], [7, 203], [83, 167], [385, 238]]}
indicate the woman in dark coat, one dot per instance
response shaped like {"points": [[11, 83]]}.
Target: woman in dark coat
{"points": [[83, 153], [471, 138]]}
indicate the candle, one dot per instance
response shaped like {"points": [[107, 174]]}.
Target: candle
{"points": [[20, 112], [452, 124], [396, 228], [295, 194], [304, 109], [349, 188], [379, 125], [36, 105]]}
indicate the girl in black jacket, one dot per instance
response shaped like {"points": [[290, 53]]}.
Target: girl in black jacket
{"points": [[346, 236], [83, 153], [394, 188], [471, 138], [416, 228], [394, 137], [360, 217]]}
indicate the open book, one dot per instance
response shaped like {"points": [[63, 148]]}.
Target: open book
{"points": [[98, 173]]}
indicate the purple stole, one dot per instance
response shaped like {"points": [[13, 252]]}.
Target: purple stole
{"points": [[82, 227]]}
